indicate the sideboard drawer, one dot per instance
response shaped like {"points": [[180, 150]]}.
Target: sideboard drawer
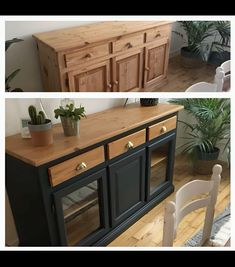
{"points": [[126, 143], [158, 33], [87, 54], [161, 127], [77, 165], [126, 43]]}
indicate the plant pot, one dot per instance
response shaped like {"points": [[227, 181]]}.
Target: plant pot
{"points": [[42, 134], [208, 156], [70, 126], [190, 59], [148, 101]]}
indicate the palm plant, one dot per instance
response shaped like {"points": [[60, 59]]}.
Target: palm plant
{"points": [[210, 126], [196, 32], [10, 77]]}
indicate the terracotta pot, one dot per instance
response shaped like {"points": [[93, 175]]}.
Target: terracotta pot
{"points": [[70, 126], [42, 134]]}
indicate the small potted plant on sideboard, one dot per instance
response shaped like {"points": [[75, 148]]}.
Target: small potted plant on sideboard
{"points": [[70, 117], [40, 128]]}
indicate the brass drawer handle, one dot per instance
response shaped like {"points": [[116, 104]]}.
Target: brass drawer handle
{"points": [[89, 55], [163, 129], [158, 35], [109, 85], [116, 82], [129, 45], [129, 145], [147, 68], [81, 166]]}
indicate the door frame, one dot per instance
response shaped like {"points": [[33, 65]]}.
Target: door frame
{"points": [[101, 178], [157, 142]]}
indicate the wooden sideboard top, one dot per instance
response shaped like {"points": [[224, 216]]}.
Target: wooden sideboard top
{"points": [[80, 36], [95, 128]]}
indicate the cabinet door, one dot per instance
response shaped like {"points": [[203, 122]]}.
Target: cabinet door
{"points": [[81, 210], [127, 72], [156, 61], [127, 179], [95, 78], [160, 162]]}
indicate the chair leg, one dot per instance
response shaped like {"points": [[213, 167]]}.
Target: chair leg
{"points": [[169, 225]]}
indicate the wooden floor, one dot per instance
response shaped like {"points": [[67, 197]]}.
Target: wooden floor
{"points": [[180, 78], [148, 230]]}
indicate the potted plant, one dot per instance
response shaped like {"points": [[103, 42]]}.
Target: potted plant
{"points": [[220, 48], [208, 129], [40, 128], [197, 49], [70, 118], [11, 76]]}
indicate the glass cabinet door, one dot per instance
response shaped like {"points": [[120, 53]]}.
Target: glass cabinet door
{"points": [[161, 160], [81, 210]]}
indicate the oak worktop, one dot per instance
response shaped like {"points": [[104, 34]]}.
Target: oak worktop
{"points": [[95, 128], [80, 36]]}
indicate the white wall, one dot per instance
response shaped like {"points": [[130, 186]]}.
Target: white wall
{"points": [[18, 108], [24, 54]]}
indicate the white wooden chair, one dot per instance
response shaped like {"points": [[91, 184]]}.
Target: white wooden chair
{"points": [[224, 68], [209, 87], [221, 81], [176, 210]]}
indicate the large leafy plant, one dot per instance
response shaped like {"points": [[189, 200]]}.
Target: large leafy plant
{"points": [[210, 124], [196, 33], [10, 77], [69, 111]]}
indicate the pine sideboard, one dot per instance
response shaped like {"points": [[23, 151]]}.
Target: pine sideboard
{"points": [[85, 190], [114, 56]]}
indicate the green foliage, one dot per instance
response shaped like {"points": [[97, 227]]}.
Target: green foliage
{"points": [[196, 32], [210, 124], [70, 112], [8, 43], [223, 28], [10, 77], [36, 119]]}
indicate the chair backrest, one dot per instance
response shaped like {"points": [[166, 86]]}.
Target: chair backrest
{"points": [[222, 76], [176, 210], [226, 66]]}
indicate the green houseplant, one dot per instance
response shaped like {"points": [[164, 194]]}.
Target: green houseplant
{"points": [[70, 117], [196, 49], [11, 76], [220, 48], [208, 129], [40, 127]]}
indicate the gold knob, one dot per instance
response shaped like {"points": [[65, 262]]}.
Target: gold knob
{"points": [[116, 82], [89, 55], [163, 129], [81, 166], [129, 145], [147, 68], [109, 85]]}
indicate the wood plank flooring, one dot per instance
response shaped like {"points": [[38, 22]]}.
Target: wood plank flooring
{"points": [[148, 230], [180, 78]]}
